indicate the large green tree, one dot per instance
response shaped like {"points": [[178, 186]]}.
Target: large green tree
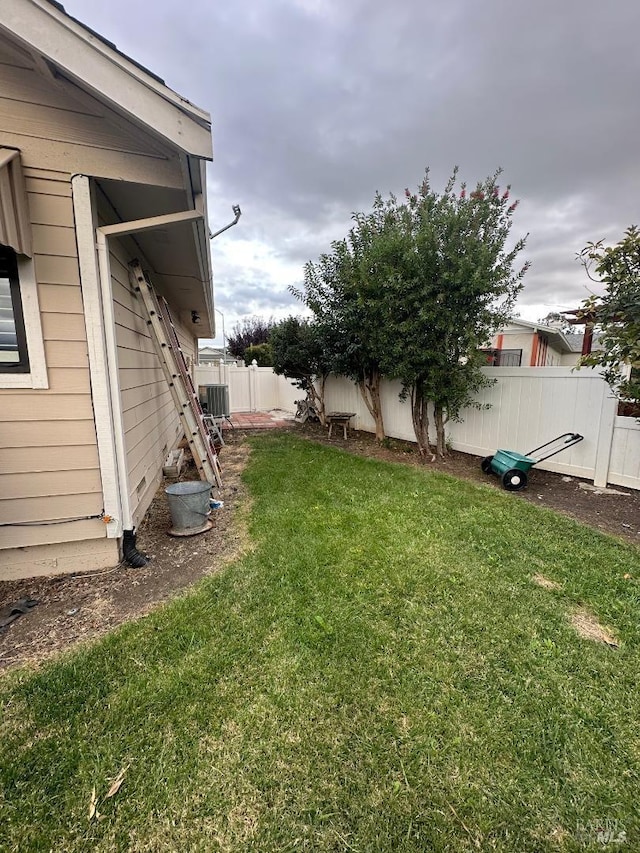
{"points": [[616, 313], [416, 288], [301, 352], [345, 290], [452, 279]]}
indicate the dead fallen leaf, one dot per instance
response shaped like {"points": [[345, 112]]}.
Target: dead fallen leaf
{"points": [[117, 783], [92, 804]]}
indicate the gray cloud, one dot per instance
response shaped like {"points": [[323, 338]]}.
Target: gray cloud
{"points": [[317, 104]]}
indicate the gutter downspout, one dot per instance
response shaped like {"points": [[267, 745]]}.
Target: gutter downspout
{"points": [[103, 233]]}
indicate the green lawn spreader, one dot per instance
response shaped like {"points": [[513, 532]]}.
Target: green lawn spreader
{"points": [[513, 468]]}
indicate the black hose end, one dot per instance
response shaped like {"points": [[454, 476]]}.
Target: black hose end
{"points": [[131, 554]]}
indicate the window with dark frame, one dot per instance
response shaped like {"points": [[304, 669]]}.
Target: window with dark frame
{"points": [[14, 357], [503, 357]]}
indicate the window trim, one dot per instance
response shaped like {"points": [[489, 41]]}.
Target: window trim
{"points": [[36, 377]]}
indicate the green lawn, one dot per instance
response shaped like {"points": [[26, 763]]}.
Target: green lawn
{"points": [[379, 673]]}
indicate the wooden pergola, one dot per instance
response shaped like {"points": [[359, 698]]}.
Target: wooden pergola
{"points": [[580, 317]]}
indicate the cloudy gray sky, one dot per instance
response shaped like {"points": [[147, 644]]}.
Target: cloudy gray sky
{"points": [[316, 104]]}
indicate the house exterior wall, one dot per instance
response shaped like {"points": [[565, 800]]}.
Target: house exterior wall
{"points": [[515, 340], [150, 421], [49, 467], [48, 454], [569, 359], [58, 127], [513, 337]]}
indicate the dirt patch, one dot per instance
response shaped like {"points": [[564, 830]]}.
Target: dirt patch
{"points": [[545, 583], [588, 627], [78, 607], [617, 514]]}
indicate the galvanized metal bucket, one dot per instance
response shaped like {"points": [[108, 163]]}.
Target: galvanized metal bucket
{"points": [[189, 507]]}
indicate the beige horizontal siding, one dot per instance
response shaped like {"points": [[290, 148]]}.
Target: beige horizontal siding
{"points": [[49, 508], [45, 433], [42, 182], [60, 298], [138, 433], [29, 407], [70, 380], [47, 483], [143, 411], [47, 209], [65, 353], [188, 343], [134, 341], [63, 327], [58, 128], [156, 392], [70, 531], [64, 113], [137, 359], [48, 455], [54, 240], [73, 457], [56, 557], [51, 269], [151, 423], [132, 378]]}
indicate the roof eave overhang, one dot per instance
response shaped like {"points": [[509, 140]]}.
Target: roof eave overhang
{"points": [[108, 74]]}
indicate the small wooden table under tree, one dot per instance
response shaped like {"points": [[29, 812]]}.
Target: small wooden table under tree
{"points": [[339, 419]]}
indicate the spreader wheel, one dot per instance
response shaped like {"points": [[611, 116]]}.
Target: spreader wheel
{"points": [[486, 464], [514, 480]]}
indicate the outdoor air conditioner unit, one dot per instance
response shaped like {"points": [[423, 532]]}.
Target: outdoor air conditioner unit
{"points": [[214, 399]]}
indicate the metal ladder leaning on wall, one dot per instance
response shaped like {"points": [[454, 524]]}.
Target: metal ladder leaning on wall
{"points": [[174, 367]]}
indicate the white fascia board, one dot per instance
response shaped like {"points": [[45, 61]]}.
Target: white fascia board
{"points": [[203, 243], [108, 74]]}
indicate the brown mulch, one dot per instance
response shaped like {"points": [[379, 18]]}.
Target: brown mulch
{"points": [[79, 607], [76, 607]]}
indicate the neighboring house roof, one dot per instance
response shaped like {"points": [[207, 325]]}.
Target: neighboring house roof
{"points": [[215, 354], [560, 340], [574, 340]]}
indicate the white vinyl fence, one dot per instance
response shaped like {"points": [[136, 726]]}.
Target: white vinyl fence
{"points": [[251, 389], [528, 406]]}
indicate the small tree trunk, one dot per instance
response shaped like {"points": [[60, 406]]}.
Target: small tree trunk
{"points": [[369, 387], [420, 417], [317, 398], [441, 440]]}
